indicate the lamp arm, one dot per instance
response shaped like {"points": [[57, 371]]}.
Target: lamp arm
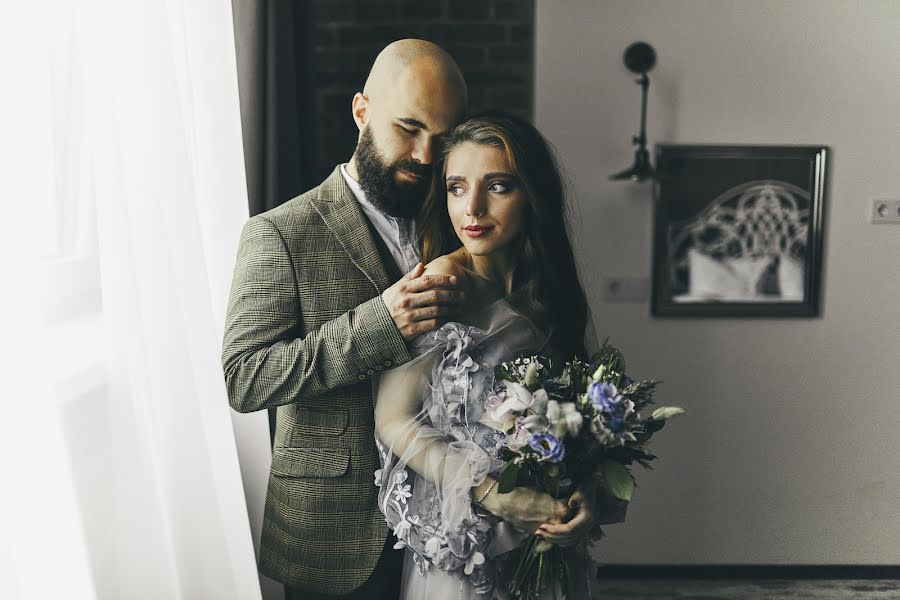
{"points": [[641, 139], [639, 58]]}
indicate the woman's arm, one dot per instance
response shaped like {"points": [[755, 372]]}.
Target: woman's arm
{"points": [[399, 422], [525, 508], [405, 429], [402, 426]]}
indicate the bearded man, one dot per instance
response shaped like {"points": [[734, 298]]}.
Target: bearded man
{"points": [[315, 312]]}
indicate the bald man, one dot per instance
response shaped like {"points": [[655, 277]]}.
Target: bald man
{"points": [[319, 304]]}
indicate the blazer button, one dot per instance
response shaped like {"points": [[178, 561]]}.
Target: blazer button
{"points": [[378, 367], [370, 372], [387, 363], [361, 376]]}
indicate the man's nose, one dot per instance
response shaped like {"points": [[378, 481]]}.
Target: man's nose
{"points": [[422, 152]]}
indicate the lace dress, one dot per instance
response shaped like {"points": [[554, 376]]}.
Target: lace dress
{"points": [[434, 450]]}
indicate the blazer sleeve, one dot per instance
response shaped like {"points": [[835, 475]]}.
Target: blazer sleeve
{"points": [[266, 364]]}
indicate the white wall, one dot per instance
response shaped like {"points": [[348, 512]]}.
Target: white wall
{"points": [[790, 452]]}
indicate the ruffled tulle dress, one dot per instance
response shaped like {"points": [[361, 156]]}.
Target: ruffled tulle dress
{"points": [[434, 449]]}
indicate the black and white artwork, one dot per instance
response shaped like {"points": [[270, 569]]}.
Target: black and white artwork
{"points": [[738, 230]]}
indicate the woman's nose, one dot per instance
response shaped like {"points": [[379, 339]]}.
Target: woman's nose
{"points": [[475, 207]]}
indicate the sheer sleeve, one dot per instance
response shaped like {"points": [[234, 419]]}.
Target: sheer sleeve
{"points": [[433, 448]]}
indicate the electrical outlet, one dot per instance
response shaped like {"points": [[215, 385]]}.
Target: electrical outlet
{"points": [[885, 210], [625, 289]]}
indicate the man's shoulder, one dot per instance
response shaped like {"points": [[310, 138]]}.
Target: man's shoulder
{"points": [[298, 207], [303, 207]]}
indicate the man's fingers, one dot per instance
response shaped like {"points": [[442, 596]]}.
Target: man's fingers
{"points": [[420, 303], [416, 271], [435, 298], [429, 282], [432, 312]]}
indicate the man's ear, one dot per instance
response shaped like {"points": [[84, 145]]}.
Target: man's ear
{"points": [[360, 110]]}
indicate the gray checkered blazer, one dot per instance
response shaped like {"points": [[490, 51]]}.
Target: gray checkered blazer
{"points": [[305, 332]]}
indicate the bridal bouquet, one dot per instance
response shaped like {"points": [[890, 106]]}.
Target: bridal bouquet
{"points": [[566, 426]]}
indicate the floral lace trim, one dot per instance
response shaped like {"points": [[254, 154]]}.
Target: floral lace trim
{"points": [[462, 550]]}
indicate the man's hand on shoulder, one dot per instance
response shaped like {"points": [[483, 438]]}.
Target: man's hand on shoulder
{"points": [[422, 302]]}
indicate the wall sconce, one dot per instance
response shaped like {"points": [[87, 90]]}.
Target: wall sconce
{"points": [[639, 58]]}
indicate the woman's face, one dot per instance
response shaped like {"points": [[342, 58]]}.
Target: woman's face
{"points": [[485, 200]]}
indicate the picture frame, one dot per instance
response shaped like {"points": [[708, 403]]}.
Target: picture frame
{"points": [[738, 230]]}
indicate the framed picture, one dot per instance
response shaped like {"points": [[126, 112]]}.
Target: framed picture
{"points": [[738, 231]]}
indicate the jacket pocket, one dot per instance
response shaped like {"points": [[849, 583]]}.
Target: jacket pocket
{"points": [[310, 462], [313, 421]]}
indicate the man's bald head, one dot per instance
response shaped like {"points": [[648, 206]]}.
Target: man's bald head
{"points": [[420, 55], [414, 95]]}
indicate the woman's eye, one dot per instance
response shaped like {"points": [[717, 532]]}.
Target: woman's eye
{"points": [[456, 190], [500, 187]]}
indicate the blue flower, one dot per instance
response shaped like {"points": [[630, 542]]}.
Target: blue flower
{"points": [[615, 420], [616, 423], [548, 446], [603, 395]]}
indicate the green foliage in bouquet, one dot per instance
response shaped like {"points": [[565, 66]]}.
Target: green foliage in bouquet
{"points": [[568, 424]]}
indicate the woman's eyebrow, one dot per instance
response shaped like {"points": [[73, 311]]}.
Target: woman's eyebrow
{"points": [[486, 176]]}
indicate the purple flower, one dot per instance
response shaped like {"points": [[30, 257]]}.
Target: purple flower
{"points": [[615, 418], [603, 395], [548, 446], [614, 421]]}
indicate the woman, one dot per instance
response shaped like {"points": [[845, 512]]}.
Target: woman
{"points": [[496, 220]]}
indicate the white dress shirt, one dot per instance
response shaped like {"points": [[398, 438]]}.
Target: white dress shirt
{"points": [[398, 234]]}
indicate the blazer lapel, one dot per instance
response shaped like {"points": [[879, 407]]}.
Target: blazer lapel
{"points": [[342, 215]]}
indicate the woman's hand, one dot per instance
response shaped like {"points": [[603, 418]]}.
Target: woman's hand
{"points": [[575, 529], [524, 508]]}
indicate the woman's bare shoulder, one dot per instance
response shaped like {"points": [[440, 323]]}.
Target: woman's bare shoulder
{"points": [[448, 264]]}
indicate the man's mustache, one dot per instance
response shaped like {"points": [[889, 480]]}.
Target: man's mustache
{"points": [[423, 171]]}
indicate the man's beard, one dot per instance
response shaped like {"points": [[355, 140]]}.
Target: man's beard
{"points": [[400, 200]]}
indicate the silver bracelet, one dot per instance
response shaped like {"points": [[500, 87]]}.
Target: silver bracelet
{"points": [[488, 491]]}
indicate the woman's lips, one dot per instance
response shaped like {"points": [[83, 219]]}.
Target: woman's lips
{"points": [[476, 231]]}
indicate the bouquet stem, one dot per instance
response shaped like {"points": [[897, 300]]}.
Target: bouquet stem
{"points": [[528, 582]]}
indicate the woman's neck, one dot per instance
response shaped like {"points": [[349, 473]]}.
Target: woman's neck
{"points": [[496, 268]]}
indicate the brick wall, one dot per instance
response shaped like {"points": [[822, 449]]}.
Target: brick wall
{"points": [[492, 40]]}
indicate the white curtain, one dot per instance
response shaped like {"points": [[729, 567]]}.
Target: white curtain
{"points": [[124, 195]]}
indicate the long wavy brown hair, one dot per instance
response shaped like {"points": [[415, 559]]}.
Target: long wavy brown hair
{"points": [[545, 283]]}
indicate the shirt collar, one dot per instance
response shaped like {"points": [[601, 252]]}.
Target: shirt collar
{"points": [[399, 234], [360, 196]]}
